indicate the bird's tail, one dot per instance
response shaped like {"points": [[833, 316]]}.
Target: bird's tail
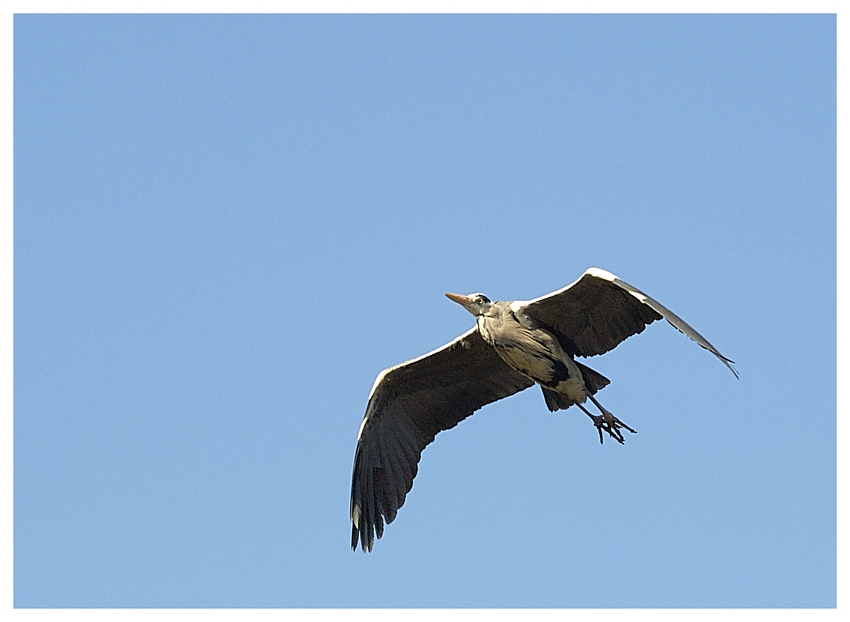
{"points": [[593, 380], [555, 401]]}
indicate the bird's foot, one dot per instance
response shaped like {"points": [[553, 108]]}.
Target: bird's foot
{"points": [[608, 422]]}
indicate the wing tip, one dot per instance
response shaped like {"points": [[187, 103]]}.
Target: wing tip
{"points": [[731, 365], [361, 534], [364, 538]]}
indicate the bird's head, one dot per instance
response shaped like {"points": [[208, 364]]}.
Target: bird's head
{"points": [[476, 304]]}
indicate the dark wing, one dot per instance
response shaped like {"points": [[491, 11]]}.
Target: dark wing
{"points": [[599, 311], [408, 406]]}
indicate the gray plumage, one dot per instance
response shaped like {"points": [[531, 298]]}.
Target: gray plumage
{"points": [[513, 346]]}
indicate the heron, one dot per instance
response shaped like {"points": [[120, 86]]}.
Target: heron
{"points": [[513, 346]]}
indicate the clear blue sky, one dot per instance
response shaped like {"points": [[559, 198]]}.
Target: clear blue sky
{"points": [[227, 226]]}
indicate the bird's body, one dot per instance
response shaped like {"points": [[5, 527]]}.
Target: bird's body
{"points": [[513, 346], [531, 350]]}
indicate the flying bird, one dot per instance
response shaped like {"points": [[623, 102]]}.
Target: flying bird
{"points": [[513, 346]]}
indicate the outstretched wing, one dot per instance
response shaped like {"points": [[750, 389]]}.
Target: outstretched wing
{"points": [[408, 406], [599, 311]]}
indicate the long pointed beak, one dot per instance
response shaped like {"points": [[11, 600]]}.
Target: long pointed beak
{"points": [[461, 300]]}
